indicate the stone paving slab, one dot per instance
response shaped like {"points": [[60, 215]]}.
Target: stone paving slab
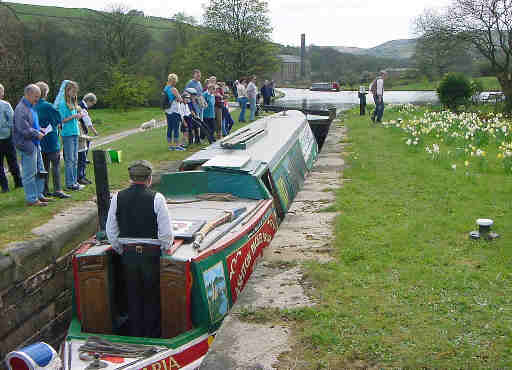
{"points": [[247, 346], [274, 287]]}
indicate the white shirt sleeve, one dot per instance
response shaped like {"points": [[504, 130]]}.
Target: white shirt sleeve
{"points": [[380, 87], [165, 232], [87, 120], [113, 226]]}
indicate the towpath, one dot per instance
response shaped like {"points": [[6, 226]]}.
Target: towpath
{"points": [[278, 283]]}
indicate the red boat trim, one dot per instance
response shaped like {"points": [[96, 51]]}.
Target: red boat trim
{"points": [[178, 358], [189, 296], [240, 235]]}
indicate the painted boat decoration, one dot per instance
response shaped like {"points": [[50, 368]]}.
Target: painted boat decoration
{"points": [[239, 189], [324, 86]]}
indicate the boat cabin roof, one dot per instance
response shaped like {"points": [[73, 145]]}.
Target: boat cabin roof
{"points": [[270, 139], [190, 213]]}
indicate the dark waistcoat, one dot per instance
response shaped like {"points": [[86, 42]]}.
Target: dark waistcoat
{"points": [[136, 213]]}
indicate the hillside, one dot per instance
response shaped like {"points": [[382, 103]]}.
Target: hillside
{"points": [[35, 13], [396, 49]]}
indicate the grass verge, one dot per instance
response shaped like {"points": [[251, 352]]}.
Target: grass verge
{"points": [[17, 220], [408, 288]]}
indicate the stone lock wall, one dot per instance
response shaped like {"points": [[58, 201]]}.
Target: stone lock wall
{"points": [[36, 281]]}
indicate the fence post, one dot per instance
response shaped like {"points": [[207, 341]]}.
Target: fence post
{"points": [[102, 187]]}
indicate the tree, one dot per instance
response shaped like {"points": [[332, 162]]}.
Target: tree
{"points": [[484, 24], [55, 49], [121, 36], [11, 52], [454, 89], [238, 37], [128, 91], [435, 57]]}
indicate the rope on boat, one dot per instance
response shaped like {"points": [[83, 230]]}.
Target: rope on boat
{"points": [[104, 347], [217, 197]]}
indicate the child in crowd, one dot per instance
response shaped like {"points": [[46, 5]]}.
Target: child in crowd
{"points": [[193, 128], [209, 111], [186, 113]]}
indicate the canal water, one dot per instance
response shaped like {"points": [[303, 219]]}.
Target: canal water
{"points": [[344, 100]]}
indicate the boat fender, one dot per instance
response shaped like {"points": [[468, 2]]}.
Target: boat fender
{"points": [[37, 356]]}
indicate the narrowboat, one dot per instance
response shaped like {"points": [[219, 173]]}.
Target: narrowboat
{"points": [[227, 202], [319, 120], [324, 86]]}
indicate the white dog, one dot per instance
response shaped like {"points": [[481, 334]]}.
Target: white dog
{"points": [[148, 125]]}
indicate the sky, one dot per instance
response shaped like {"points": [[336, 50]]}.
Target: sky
{"points": [[359, 23]]}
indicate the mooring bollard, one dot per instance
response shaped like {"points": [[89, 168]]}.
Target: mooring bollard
{"points": [[332, 113], [362, 100], [102, 187]]}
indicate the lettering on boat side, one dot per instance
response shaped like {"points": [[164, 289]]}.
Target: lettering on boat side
{"points": [[168, 363], [240, 263], [183, 358]]}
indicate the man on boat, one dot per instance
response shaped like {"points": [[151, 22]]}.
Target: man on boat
{"points": [[139, 227]]}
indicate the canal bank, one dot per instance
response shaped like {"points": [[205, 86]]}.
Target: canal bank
{"points": [[254, 336]]}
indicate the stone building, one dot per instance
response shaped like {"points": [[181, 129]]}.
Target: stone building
{"points": [[290, 69]]}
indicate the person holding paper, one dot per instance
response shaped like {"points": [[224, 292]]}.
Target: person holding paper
{"points": [[49, 120], [27, 136], [84, 141]]}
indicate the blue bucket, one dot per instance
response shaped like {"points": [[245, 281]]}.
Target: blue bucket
{"points": [[31, 357]]}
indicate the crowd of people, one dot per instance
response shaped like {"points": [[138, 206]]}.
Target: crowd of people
{"points": [[201, 111], [37, 130]]}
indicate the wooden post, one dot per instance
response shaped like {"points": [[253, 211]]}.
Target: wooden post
{"points": [[332, 113], [102, 187]]}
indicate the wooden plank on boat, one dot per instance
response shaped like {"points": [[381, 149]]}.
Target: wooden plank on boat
{"points": [[96, 292], [224, 161], [174, 297]]}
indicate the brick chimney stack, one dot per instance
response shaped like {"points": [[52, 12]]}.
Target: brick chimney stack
{"points": [[303, 56]]}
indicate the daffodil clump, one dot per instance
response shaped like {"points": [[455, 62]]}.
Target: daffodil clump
{"points": [[467, 136]]}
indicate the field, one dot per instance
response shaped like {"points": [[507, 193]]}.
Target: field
{"points": [[408, 288], [17, 220]]}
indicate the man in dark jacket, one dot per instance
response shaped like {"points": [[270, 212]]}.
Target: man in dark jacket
{"points": [[7, 149], [266, 92], [27, 135], [139, 227]]}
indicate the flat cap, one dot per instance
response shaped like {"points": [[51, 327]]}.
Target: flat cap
{"points": [[140, 168]]}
